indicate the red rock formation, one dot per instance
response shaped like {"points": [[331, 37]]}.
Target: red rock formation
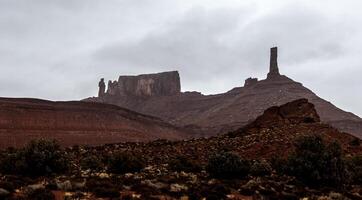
{"points": [[273, 68], [273, 133], [296, 112], [212, 114], [102, 88], [77, 123], [161, 84], [250, 81]]}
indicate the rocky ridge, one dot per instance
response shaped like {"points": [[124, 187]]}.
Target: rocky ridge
{"points": [[209, 115]]}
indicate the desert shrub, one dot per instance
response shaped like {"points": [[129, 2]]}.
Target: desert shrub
{"points": [[106, 192], [354, 167], [260, 168], [315, 163], [10, 163], [278, 164], [122, 162], [39, 157], [209, 192], [94, 163], [227, 165], [215, 192], [103, 187], [355, 142], [40, 194], [44, 157], [185, 164]]}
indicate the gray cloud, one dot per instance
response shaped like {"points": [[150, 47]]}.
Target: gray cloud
{"points": [[58, 49]]}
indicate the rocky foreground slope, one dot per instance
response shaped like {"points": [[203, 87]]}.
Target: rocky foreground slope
{"points": [[71, 123], [180, 169], [272, 133], [212, 114]]}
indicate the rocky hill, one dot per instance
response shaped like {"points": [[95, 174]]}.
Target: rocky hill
{"points": [[272, 133], [220, 113], [22, 120], [184, 169]]}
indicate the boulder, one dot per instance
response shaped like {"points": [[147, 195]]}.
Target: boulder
{"points": [[295, 112]]}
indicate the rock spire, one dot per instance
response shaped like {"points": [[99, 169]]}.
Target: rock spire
{"points": [[273, 70], [102, 88]]}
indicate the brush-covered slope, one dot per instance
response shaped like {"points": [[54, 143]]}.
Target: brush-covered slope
{"points": [[77, 123], [272, 134]]}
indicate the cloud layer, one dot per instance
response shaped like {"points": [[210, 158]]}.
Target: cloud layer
{"points": [[59, 49]]}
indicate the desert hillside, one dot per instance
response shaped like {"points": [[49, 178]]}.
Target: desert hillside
{"points": [[71, 123]]}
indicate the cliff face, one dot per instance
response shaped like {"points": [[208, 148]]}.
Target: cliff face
{"points": [[161, 84]]}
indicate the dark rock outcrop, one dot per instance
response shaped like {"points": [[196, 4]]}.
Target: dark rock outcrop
{"points": [[250, 81], [295, 112]]}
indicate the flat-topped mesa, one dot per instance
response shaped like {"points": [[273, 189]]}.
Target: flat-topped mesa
{"points": [[146, 85], [273, 70]]}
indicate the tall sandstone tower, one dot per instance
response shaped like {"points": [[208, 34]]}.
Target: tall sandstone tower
{"points": [[102, 88], [273, 70]]}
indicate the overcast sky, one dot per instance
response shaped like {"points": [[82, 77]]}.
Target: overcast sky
{"points": [[59, 49]]}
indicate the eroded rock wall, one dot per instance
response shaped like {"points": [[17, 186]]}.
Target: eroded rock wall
{"points": [[161, 84]]}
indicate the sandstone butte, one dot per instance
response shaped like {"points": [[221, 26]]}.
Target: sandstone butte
{"points": [[206, 115]]}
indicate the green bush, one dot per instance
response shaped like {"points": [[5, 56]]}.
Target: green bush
{"points": [[278, 164], [185, 164], [317, 164], [39, 157], [103, 187], [106, 192], [227, 165], [215, 192], [354, 166], [355, 142], [92, 163], [122, 162], [260, 168]]}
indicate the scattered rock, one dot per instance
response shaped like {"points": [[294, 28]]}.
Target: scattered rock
{"points": [[157, 185], [65, 186], [36, 186], [3, 192], [178, 187], [103, 175], [76, 185]]}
